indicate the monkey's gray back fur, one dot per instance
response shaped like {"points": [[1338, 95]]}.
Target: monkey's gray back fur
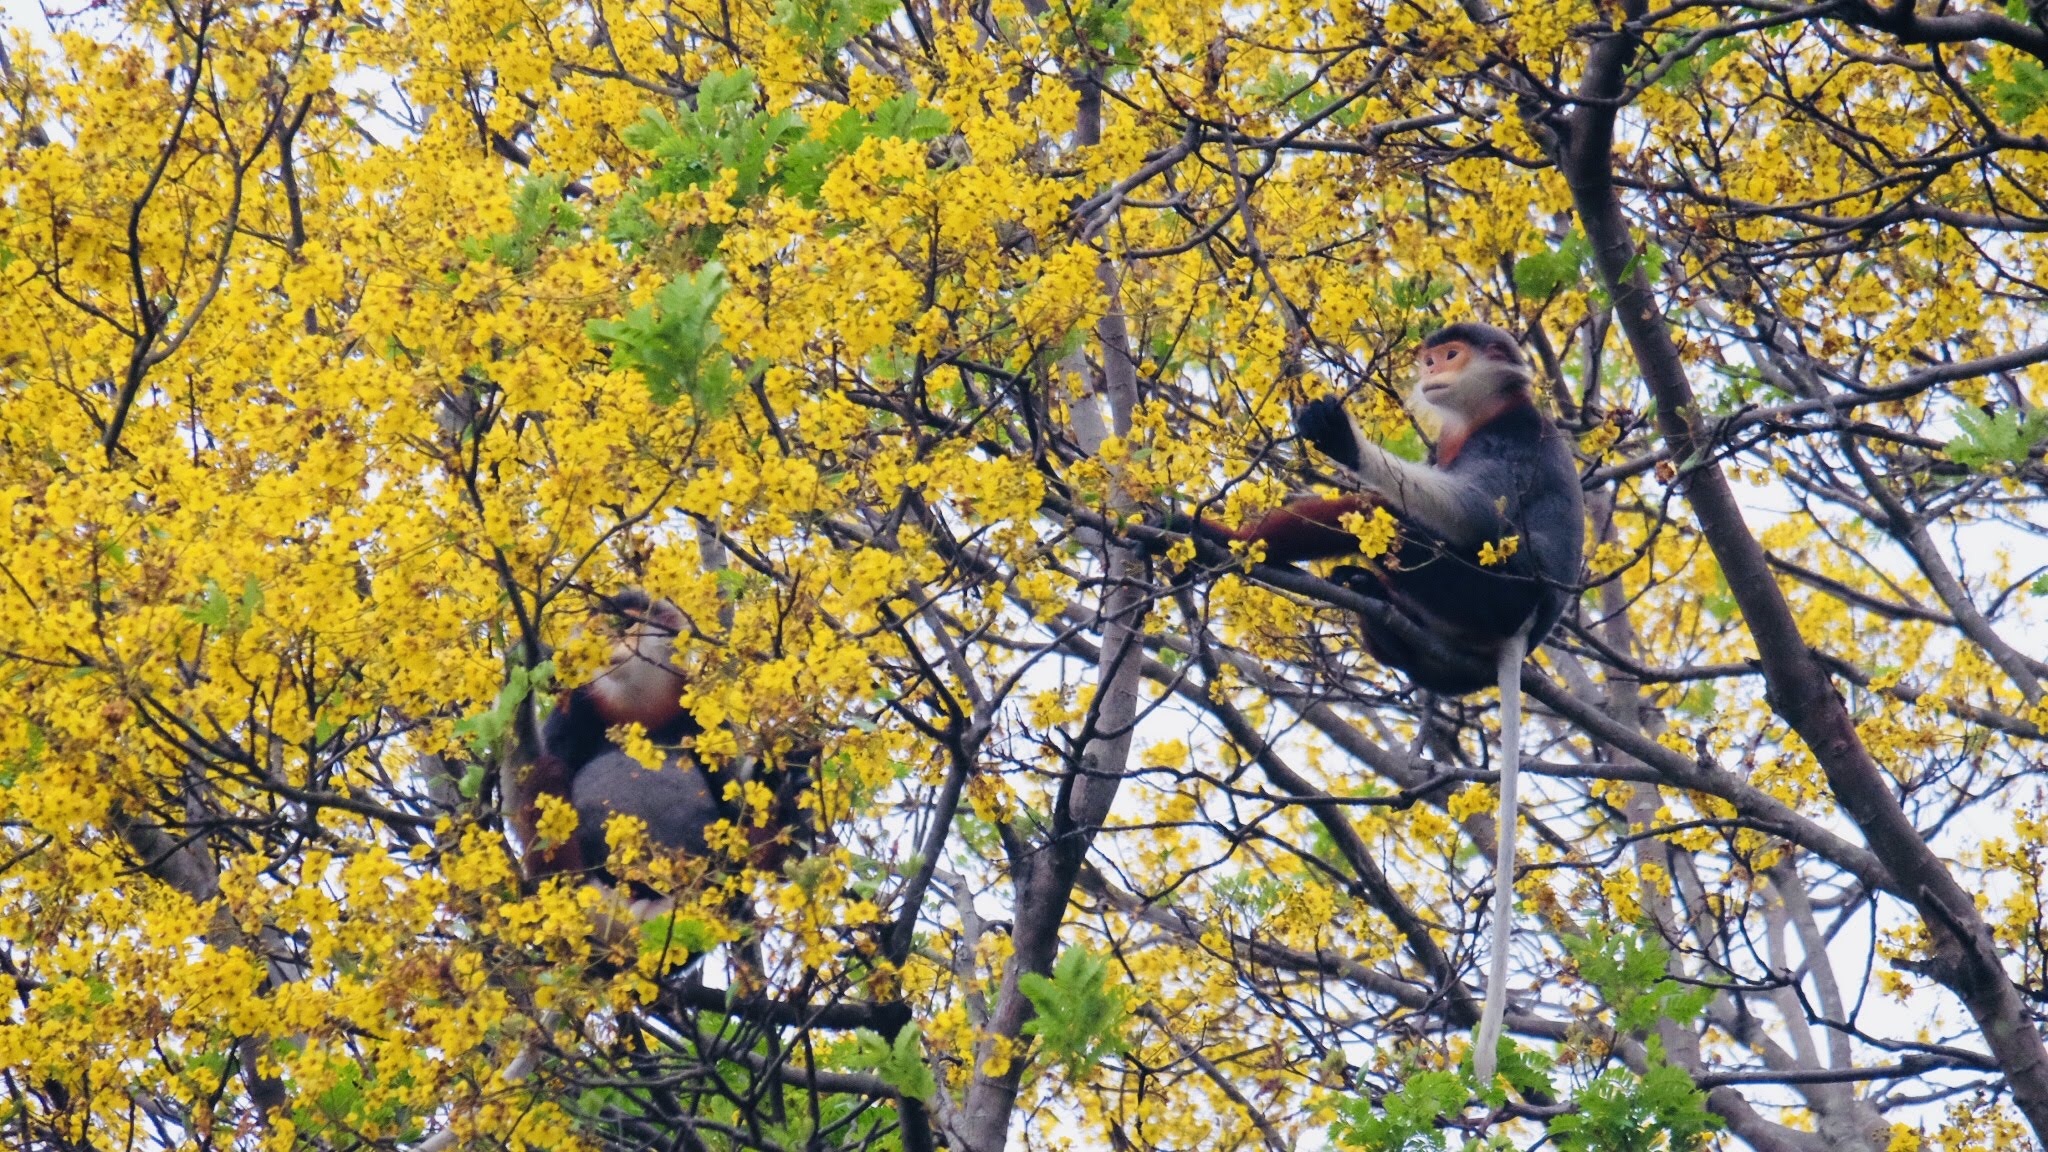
{"points": [[675, 801], [1521, 466]]}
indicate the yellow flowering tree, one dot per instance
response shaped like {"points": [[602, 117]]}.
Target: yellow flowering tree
{"points": [[350, 352]]}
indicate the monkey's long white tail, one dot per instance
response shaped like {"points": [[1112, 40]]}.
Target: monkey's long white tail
{"points": [[1510, 676]]}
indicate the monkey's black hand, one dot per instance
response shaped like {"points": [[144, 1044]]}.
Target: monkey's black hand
{"points": [[1324, 424], [1359, 579]]}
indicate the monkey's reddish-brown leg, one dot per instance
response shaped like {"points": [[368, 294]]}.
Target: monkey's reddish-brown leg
{"points": [[1306, 530], [546, 776]]}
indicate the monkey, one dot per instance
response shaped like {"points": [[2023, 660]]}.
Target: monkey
{"points": [[579, 762], [1500, 472]]}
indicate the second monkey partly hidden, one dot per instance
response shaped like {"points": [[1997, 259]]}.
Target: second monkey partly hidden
{"points": [[1501, 480], [579, 762]]}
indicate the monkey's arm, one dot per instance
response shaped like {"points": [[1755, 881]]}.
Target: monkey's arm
{"points": [[1452, 509]]}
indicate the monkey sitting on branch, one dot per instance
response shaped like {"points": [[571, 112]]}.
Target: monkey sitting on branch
{"points": [[579, 762], [1491, 540]]}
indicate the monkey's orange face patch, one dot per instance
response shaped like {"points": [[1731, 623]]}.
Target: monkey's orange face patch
{"points": [[1442, 365], [1465, 383], [1444, 359]]}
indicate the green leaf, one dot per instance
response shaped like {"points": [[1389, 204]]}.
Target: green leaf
{"points": [[803, 168], [483, 731], [676, 939], [1620, 1112], [1528, 1069], [827, 25], [2007, 437], [903, 118], [2040, 585], [725, 131], [1699, 701], [891, 363], [1080, 1017], [900, 1065], [215, 610], [1628, 967], [1416, 293], [1547, 273], [2016, 95], [673, 343], [1407, 444], [344, 1100], [1406, 1119], [29, 759], [1697, 64], [540, 216]]}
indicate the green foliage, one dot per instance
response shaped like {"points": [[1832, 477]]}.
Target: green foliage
{"points": [[827, 25], [540, 216], [725, 131], [1407, 445], [673, 343], [1547, 273], [1735, 385], [2005, 438], [484, 731], [2015, 96], [803, 170], [1418, 292], [28, 760], [1700, 701], [1309, 99], [346, 1103], [1617, 1111], [1080, 1017], [1527, 1071], [1258, 894], [1406, 1119], [1660, 1111], [342, 1102], [1698, 64], [676, 938], [216, 611], [900, 1065], [1105, 27], [1629, 969]]}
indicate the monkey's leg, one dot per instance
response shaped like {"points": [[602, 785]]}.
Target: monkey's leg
{"points": [[1306, 530], [1485, 1052]]}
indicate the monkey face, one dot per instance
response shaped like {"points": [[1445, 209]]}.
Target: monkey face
{"points": [[641, 683], [1442, 364], [1465, 382]]}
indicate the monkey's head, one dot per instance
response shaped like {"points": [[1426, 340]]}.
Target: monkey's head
{"points": [[1469, 369], [641, 684]]}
